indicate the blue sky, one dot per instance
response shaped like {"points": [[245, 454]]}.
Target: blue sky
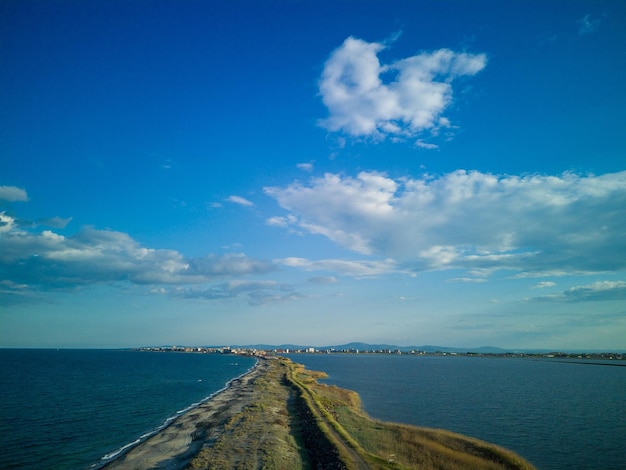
{"points": [[189, 172]]}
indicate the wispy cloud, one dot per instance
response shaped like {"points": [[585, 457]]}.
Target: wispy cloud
{"points": [[597, 291], [278, 221], [587, 25], [240, 200], [355, 268], [305, 166], [256, 292], [553, 225], [362, 103], [426, 145], [467, 279], [544, 284], [323, 280], [55, 222], [404, 298], [12, 194]]}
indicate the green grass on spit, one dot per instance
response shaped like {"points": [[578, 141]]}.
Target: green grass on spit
{"points": [[294, 422]]}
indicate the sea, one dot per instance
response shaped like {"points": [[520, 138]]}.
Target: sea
{"points": [[78, 409], [557, 414]]}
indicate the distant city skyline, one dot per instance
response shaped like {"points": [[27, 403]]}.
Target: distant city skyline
{"points": [[188, 172], [358, 348]]}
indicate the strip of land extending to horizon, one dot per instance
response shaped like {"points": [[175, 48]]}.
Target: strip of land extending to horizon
{"points": [[278, 416]]}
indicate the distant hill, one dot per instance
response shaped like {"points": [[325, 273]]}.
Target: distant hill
{"points": [[380, 347], [427, 348]]}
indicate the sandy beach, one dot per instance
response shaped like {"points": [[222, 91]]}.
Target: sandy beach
{"points": [[173, 447], [279, 416]]}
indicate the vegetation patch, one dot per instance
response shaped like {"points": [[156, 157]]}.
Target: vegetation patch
{"points": [[262, 435], [295, 422]]}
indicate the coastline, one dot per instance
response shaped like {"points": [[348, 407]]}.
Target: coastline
{"points": [[277, 415], [178, 440]]}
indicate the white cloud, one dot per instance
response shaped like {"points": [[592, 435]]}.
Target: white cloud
{"points": [[47, 260], [240, 200], [7, 223], [361, 103], [12, 194], [426, 145], [534, 224], [278, 221]]}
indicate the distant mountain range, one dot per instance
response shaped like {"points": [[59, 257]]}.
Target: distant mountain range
{"points": [[426, 348]]}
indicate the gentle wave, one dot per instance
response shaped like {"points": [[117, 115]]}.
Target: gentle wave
{"points": [[112, 456], [119, 451]]}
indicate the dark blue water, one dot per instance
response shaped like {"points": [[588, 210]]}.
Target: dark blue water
{"points": [[556, 415], [68, 409]]}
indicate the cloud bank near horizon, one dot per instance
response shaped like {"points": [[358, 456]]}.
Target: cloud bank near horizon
{"points": [[33, 260], [595, 292], [368, 99], [535, 225]]}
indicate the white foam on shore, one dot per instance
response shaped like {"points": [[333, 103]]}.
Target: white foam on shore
{"points": [[116, 454], [185, 410]]}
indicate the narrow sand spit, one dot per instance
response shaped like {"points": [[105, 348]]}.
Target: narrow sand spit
{"points": [[173, 447], [279, 416]]}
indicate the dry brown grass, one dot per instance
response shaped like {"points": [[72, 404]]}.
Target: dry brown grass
{"points": [[390, 445], [294, 422], [262, 435]]}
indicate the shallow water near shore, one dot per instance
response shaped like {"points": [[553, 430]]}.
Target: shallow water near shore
{"points": [[68, 409], [555, 414]]}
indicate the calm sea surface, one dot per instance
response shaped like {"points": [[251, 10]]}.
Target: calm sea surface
{"points": [[557, 415], [68, 409]]}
